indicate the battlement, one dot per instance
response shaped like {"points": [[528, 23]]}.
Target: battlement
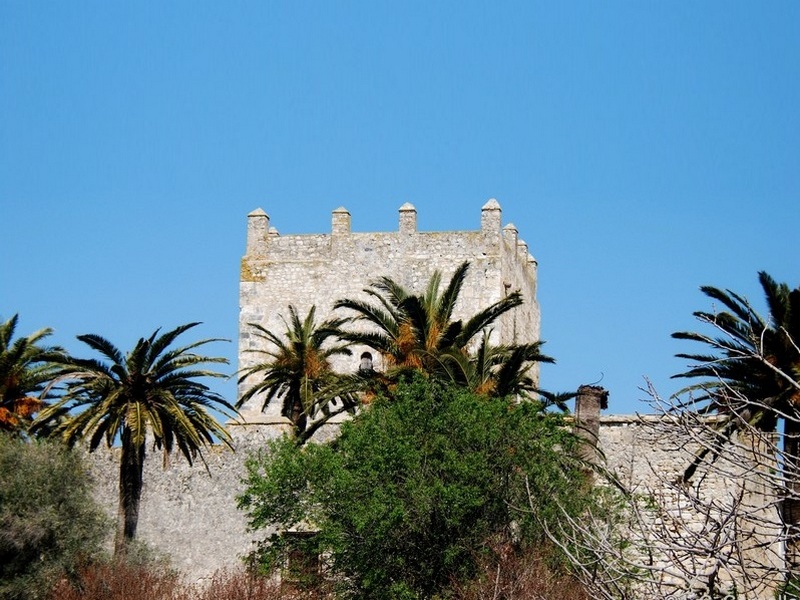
{"points": [[264, 240], [320, 268]]}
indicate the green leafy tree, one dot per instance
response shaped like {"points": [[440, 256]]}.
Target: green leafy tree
{"points": [[751, 373], [297, 370], [408, 497], [24, 375], [49, 523], [153, 391], [418, 333]]}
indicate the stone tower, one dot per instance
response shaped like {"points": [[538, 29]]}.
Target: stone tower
{"points": [[319, 269]]}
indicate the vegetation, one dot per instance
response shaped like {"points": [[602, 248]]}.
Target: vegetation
{"points": [[298, 372], [407, 499], [751, 376], [24, 373], [508, 577], [417, 333], [49, 524], [443, 489], [497, 371], [153, 390], [753, 367], [504, 572], [413, 333], [151, 581]]}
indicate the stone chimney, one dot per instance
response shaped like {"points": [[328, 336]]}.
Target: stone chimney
{"points": [[257, 232], [588, 404], [340, 221], [408, 218]]}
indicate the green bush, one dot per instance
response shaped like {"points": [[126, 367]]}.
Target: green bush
{"points": [[406, 499], [49, 523]]}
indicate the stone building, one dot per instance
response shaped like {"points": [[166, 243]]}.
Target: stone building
{"points": [[319, 269]]}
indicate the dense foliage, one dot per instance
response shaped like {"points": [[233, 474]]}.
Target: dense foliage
{"points": [[49, 523], [406, 500]]}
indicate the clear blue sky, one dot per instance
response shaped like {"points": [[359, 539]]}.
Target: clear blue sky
{"points": [[642, 149]]}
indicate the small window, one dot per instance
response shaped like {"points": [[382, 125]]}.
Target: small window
{"points": [[366, 362]]}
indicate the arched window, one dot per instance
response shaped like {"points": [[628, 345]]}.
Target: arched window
{"points": [[366, 362]]}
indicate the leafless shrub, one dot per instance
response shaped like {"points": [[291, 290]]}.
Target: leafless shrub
{"points": [[125, 581], [241, 585], [697, 512], [119, 581], [508, 573]]}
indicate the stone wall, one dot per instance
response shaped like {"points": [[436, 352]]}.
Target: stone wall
{"points": [[189, 512], [724, 522]]}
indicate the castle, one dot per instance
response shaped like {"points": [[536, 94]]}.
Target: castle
{"points": [[317, 270], [194, 513]]}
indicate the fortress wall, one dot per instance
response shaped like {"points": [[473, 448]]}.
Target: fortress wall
{"points": [[732, 507], [520, 273], [190, 515], [193, 517]]}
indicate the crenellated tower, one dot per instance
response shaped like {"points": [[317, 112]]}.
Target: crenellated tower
{"points": [[319, 269]]}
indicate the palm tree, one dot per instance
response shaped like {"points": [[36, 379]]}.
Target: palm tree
{"points": [[752, 374], [151, 391], [297, 370], [414, 332], [497, 371], [754, 364], [25, 372]]}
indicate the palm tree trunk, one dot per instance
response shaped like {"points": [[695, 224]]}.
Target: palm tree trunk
{"points": [[130, 491], [298, 417]]}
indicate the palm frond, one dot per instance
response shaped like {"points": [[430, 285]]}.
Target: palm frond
{"points": [[447, 301], [104, 347], [487, 316], [749, 368], [375, 315]]}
